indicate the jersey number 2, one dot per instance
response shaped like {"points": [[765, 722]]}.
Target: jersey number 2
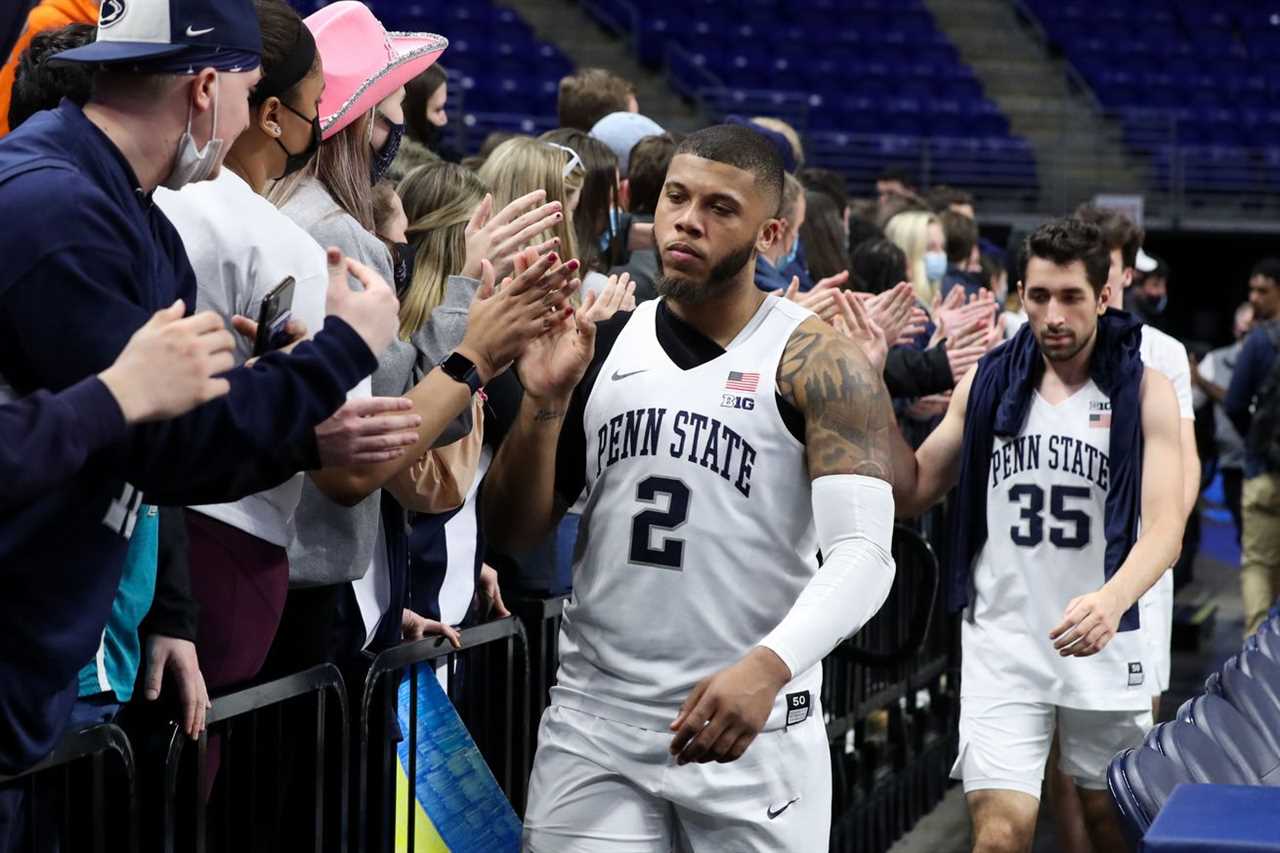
{"points": [[670, 551], [1029, 532]]}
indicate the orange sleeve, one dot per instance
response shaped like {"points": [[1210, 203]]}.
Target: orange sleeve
{"points": [[45, 16]]}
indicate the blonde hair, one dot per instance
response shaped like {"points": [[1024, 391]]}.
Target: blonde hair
{"points": [[909, 231], [777, 125], [439, 199], [521, 165], [343, 166]]}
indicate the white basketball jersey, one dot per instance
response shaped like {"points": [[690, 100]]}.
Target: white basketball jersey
{"points": [[698, 535], [1046, 542]]}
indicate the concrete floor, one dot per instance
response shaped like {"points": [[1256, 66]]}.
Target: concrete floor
{"points": [[946, 829]]}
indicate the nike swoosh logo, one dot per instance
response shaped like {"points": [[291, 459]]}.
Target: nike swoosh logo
{"points": [[192, 33], [774, 812], [617, 375]]}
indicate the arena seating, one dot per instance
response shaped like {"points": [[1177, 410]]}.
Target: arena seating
{"points": [[1193, 84], [503, 77], [883, 87], [1229, 735]]}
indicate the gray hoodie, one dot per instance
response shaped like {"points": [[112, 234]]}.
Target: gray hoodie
{"points": [[334, 544]]}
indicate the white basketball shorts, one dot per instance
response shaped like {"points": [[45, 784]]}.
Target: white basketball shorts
{"points": [[601, 786], [1004, 745]]}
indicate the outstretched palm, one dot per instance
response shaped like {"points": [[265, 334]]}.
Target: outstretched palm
{"points": [[554, 363]]}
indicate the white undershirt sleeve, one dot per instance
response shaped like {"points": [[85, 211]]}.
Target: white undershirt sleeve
{"points": [[854, 519]]}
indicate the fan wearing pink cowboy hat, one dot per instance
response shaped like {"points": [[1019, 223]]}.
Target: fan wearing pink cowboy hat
{"points": [[352, 550]]}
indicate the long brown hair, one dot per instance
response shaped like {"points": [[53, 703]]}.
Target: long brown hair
{"points": [[343, 166], [439, 199]]}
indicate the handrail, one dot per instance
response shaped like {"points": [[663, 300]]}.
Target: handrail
{"points": [[83, 743]]}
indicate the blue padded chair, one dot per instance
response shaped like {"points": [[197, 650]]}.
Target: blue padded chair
{"points": [[1141, 781], [1255, 664], [1198, 754], [1251, 699], [1237, 737]]}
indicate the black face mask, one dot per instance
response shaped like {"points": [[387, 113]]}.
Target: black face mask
{"points": [[433, 135], [295, 162], [404, 267], [383, 159]]}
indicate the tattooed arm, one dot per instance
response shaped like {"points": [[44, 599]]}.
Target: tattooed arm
{"points": [[849, 422], [850, 427]]}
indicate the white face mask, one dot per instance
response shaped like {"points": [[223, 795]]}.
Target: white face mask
{"points": [[192, 164]]}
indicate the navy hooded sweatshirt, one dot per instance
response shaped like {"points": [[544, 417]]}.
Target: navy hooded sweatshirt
{"points": [[85, 260]]}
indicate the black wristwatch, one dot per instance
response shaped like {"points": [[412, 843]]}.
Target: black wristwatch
{"points": [[459, 368]]}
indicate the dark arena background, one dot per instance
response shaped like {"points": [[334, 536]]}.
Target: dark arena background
{"points": [[1168, 110]]}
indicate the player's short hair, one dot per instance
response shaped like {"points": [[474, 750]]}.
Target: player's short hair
{"points": [[39, 84], [741, 148], [1118, 231], [891, 173], [1267, 268], [590, 95], [961, 233], [647, 170], [1067, 240]]}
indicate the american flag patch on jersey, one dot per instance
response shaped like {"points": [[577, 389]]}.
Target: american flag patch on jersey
{"points": [[1100, 420], [738, 381]]}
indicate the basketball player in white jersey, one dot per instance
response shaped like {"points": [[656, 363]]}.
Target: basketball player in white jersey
{"points": [[1049, 642], [724, 438], [1161, 352]]}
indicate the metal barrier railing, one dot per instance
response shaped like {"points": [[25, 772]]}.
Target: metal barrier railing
{"points": [[53, 790], [890, 696], [236, 780], [487, 669]]}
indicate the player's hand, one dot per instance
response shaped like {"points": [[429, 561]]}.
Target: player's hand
{"points": [[373, 312], [177, 658], [1088, 624], [367, 431], [503, 322], [500, 238], [168, 367], [414, 627], [725, 712], [961, 359], [554, 363]]}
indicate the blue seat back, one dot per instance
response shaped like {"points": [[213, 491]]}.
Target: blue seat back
{"points": [[1252, 700], [1199, 755], [1141, 781], [1239, 740]]}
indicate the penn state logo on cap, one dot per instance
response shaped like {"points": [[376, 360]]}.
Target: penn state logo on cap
{"points": [[111, 13], [140, 32]]}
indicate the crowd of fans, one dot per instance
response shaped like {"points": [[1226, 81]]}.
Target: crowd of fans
{"points": [[157, 532]]}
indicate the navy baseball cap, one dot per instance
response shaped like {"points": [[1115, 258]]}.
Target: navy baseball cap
{"points": [[148, 32]]}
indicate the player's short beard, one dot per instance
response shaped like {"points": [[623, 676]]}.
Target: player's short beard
{"points": [[718, 280], [1067, 355]]}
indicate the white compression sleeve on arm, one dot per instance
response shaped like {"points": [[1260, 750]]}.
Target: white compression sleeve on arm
{"points": [[854, 518]]}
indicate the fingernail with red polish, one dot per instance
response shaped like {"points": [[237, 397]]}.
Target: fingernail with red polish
{"points": [[552, 257], [573, 264]]}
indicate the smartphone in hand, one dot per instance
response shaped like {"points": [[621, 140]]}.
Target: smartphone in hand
{"points": [[276, 311]]}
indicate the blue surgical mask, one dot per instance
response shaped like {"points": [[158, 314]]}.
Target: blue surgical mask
{"points": [[790, 257], [935, 265]]}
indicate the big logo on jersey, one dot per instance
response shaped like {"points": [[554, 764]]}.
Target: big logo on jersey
{"points": [[695, 438]]}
